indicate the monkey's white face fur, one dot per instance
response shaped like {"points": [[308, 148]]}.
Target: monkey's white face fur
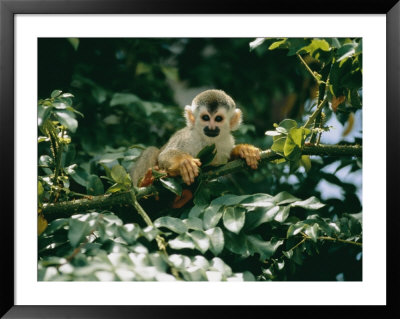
{"points": [[222, 120], [212, 128]]}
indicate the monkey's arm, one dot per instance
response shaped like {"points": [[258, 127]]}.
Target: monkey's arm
{"points": [[175, 157], [177, 162], [248, 152]]}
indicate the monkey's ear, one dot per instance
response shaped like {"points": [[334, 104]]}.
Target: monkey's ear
{"points": [[236, 119], [190, 119]]}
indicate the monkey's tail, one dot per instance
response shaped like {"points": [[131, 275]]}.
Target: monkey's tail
{"points": [[146, 160]]}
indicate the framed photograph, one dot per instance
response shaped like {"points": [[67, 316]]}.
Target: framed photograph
{"points": [[159, 155]]}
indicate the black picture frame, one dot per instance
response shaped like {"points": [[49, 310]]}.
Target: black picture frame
{"points": [[8, 10]]}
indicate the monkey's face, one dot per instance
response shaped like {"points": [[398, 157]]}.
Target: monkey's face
{"points": [[213, 123], [213, 114]]}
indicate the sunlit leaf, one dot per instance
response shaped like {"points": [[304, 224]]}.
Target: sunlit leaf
{"points": [[217, 241], [277, 44], [234, 218], [211, 217], [172, 223], [55, 93], [181, 242], [201, 240], [256, 43], [312, 203]]}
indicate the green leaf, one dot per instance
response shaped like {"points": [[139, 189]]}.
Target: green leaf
{"points": [[346, 51], [78, 230], [284, 198], [68, 156], [46, 160], [43, 139], [291, 151], [40, 189], [273, 133], [282, 214], [69, 95], [217, 241], [228, 200], [70, 108], [236, 244], [288, 124], [279, 144], [315, 45], [201, 240], [74, 42], [312, 231], [124, 99], [183, 241], [295, 229], [312, 203], [118, 174], [67, 119], [277, 44], [80, 176], [59, 105], [288, 254], [129, 232], [94, 185], [207, 154], [172, 184], [55, 93], [234, 218], [43, 114], [196, 211], [172, 223], [256, 43], [306, 162], [55, 225], [211, 217], [260, 216], [257, 200], [334, 42], [150, 233], [264, 248], [294, 143], [194, 223], [296, 44]]}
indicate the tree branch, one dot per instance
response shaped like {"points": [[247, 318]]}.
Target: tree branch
{"points": [[124, 199]]}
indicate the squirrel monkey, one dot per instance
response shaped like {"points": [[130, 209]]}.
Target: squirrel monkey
{"points": [[209, 120]]}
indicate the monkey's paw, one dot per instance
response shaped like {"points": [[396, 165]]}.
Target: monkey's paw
{"points": [[248, 152], [189, 169]]}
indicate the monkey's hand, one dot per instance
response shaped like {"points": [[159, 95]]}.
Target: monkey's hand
{"points": [[248, 152], [186, 166]]}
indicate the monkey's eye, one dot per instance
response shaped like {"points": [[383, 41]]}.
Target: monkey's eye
{"points": [[219, 118], [205, 118]]}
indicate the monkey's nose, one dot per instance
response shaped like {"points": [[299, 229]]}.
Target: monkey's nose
{"points": [[211, 132]]}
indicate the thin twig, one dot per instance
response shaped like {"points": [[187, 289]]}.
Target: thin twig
{"points": [[309, 69]]}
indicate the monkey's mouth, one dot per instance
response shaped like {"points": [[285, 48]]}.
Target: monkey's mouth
{"points": [[211, 133]]}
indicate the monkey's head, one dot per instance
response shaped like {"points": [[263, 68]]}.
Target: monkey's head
{"points": [[213, 113]]}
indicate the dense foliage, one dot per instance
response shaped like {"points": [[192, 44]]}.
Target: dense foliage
{"points": [[102, 101]]}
